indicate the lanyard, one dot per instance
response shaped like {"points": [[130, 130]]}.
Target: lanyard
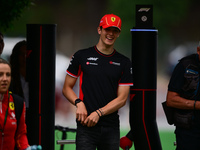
{"points": [[5, 119], [1, 130]]}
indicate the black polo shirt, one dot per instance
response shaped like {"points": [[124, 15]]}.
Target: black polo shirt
{"points": [[100, 75]]}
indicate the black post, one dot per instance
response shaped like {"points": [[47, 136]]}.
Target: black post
{"points": [[143, 93], [41, 77]]}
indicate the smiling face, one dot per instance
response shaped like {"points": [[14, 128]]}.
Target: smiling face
{"points": [[5, 77], [109, 35]]}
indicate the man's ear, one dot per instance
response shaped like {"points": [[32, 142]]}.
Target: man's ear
{"points": [[198, 49], [119, 34], [99, 30]]}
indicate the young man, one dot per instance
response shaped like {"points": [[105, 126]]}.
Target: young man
{"points": [[184, 95], [105, 80]]}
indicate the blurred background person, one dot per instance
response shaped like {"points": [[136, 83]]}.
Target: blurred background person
{"points": [[19, 85], [183, 95], [1, 43]]}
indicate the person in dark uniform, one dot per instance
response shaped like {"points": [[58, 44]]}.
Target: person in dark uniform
{"points": [[184, 95], [105, 80], [19, 85]]}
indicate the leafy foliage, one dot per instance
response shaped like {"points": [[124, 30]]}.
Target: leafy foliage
{"points": [[11, 10]]}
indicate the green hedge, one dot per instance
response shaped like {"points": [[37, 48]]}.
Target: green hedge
{"points": [[167, 139]]}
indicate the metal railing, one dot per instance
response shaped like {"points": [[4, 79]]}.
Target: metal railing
{"points": [[64, 131]]}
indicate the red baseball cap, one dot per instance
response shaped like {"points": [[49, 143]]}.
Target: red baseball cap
{"points": [[110, 20]]}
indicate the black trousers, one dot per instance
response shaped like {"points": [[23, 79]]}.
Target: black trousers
{"points": [[188, 139], [97, 137]]}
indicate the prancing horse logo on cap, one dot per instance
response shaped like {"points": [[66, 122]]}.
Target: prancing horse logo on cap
{"points": [[113, 19]]}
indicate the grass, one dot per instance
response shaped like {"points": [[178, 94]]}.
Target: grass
{"points": [[167, 139]]}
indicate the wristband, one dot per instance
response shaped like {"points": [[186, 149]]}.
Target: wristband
{"points": [[101, 111], [194, 104], [97, 113], [77, 101]]}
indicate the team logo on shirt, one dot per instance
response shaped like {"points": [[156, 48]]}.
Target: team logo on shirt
{"points": [[131, 70], [11, 105], [91, 63], [71, 60], [114, 63], [12, 115], [92, 59]]}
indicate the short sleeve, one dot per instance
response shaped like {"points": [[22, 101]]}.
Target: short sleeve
{"points": [[177, 79], [127, 79], [74, 65]]}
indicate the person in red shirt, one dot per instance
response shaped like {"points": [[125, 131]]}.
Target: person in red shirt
{"points": [[12, 134]]}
